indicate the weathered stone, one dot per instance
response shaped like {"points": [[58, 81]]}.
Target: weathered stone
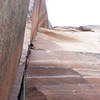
{"points": [[39, 17], [12, 25], [64, 66]]}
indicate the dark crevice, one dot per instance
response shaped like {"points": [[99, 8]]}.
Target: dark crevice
{"points": [[22, 84], [20, 95]]}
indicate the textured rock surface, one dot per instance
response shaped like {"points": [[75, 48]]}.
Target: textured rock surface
{"points": [[15, 91], [62, 67], [39, 16], [12, 25], [70, 40]]}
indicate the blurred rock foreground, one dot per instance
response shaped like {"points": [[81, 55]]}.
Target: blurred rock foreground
{"points": [[13, 15]]}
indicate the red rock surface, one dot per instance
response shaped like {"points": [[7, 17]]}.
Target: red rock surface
{"points": [[39, 17], [55, 73], [12, 26]]}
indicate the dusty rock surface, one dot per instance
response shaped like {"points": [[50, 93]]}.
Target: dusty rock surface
{"points": [[12, 26], [64, 66]]}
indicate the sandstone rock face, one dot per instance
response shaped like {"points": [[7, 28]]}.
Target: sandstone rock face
{"points": [[12, 25], [39, 16], [64, 65]]}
